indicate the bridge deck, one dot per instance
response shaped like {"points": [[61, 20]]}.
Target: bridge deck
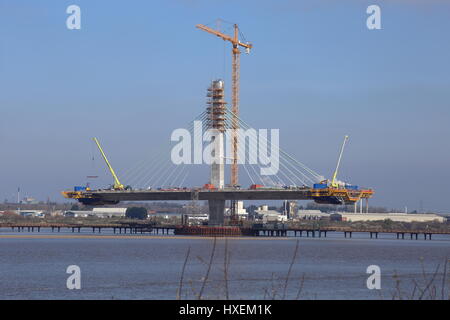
{"points": [[325, 195], [135, 195]]}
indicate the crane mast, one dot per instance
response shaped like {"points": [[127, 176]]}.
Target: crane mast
{"points": [[117, 184], [333, 180]]}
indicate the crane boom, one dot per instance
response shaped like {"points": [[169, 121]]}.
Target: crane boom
{"points": [[234, 40], [117, 184], [333, 181]]}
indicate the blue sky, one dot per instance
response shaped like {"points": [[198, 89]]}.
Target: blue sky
{"points": [[138, 70]]}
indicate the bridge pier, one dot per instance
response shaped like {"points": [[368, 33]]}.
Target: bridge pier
{"points": [[216, 212]]}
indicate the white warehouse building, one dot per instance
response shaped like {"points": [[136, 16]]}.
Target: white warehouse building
{"points": [[399, 217]]}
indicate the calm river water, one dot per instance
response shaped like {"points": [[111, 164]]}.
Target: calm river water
{"points": [[33, 266]]}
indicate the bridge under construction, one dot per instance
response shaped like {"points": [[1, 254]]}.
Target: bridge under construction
{"points": [[217, 198], [295, 181]]}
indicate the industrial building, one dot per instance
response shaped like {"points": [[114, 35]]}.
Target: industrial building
{"points": [[240, 211], [312, 215], [31, 213], [270, 215], [77, 213], [109, 212], [398, 217], [97, 212]]}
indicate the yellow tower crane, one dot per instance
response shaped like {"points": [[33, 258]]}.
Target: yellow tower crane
{"points": [[117, 185]]}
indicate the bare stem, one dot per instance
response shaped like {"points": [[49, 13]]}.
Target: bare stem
{"points": [[180, 287], [290, 269], [208, 269]]}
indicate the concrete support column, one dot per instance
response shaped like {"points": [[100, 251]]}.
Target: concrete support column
{"points": [[216, 212], [217, 166]]}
